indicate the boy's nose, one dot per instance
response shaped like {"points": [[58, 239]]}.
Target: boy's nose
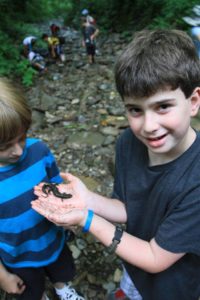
{"points": [[150, 123], [17, 149]]}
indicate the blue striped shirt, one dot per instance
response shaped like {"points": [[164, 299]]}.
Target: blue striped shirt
{"points": [[27, 239]]}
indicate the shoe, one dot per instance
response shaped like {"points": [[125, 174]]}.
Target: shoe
{"points": [[69, 294], [117, 295], [46, 297]]}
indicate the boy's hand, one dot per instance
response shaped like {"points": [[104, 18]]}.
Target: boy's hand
{"points": [[64, 212], [82, 199], [81, 194], [12, 284], [58, 214]]}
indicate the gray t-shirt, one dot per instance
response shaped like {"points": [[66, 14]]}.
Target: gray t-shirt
{"points": [[163, 202]]}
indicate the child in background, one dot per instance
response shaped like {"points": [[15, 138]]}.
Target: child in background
{"points": [[28, 44], [194, 22], [90, 33], [37, 61], [157, 178], [89, 19], [54, 46], [31, 247], [55, 30]]}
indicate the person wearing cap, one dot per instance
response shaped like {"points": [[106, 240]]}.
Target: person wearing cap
{"points": [[89, 19], [89, 33], [195, 33]]}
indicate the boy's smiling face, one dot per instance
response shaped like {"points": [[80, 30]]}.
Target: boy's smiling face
{"points": [[11, 151], [162, 122]]}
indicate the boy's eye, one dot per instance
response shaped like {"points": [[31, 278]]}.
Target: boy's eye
{"points": [[163, 107], [5, 147], [134, 111], [8, 145]]}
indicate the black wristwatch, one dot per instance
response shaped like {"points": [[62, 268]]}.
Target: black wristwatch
{"points": [[116, 240]]}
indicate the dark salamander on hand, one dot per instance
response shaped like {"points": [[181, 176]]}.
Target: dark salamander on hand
{"points": [[47, 188]]}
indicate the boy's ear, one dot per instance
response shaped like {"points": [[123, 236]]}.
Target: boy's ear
{"points": [[195, 101]]}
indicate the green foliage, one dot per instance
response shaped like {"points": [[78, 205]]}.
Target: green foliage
{"points": [[17, 19], [26, 72], [14, 23], [8, 54], [57, 8], [171, 14], [117, 15], [11, 62]]}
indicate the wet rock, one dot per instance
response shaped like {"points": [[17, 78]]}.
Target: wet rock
{"points": [[75, 101], [109, 130], [39, 120], [76, 252], [117, 275], [85, 138], [110, 139], [104, 86], [47, 102]]}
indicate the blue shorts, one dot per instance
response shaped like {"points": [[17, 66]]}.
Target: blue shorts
{"points": [[62, 270], [128, 286]]}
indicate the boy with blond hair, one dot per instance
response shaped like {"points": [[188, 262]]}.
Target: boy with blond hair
{"points": [[31, 247]]}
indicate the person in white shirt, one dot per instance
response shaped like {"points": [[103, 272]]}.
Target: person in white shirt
{"points": [[28, 43]]}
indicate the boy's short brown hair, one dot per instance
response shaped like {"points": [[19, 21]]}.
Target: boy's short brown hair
{"points": [[15, 114], [158, 60]]}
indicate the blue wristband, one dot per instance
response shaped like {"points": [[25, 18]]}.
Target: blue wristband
{"points": [[88, 221]]}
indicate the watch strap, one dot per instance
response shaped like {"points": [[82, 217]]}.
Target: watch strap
{"points": [[116, 239]]}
